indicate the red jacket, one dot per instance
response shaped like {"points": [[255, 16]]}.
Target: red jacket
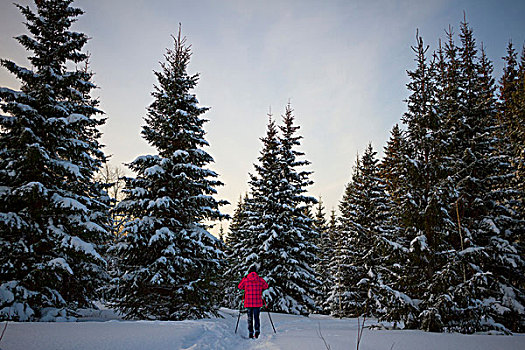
{"points": [[253, 286]]}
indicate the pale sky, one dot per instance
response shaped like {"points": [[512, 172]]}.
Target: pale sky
{"points": [[342, 64]]}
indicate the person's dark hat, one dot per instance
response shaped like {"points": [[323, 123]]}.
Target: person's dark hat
{"points": [[252, 269]]}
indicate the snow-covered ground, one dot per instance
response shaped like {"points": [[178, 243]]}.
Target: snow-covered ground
{"points": [[103, 330]]}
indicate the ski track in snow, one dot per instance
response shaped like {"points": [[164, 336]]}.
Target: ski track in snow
{"points": [[293, 332]]}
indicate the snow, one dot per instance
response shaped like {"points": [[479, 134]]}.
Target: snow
{"points": [[70, 167], [11, 220], [470, 250], [75, 117], [163, 202], [492, 226], [6, 296], [25, 108], [60, 262], [102, 329], [151, 171], [85, 247], [421, 241], [31, 187], [509, 298], [91, 226], [161, 234], [65, 202], [4, 190], [180, 153]]}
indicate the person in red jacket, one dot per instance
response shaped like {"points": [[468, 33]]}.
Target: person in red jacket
{"points": [[253, 286]]}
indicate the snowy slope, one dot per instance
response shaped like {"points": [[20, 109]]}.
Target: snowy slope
{"points": [[293, 332]]}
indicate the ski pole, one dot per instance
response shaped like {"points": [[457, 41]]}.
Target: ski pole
{"points": [[239, 317], [270, 317]]}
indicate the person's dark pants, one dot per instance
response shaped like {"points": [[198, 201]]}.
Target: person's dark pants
{"points": [[253, 315]]}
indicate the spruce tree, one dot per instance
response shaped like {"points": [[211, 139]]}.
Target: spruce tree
{"points": [[502, 228], [234, 252], [355, 239], [170, 262], [279, 236], [518, 125], [480, 172], [259, 207], [53, 215], [365, 226], [334, 300], [386, 277], [342, 297], [391, 166], [295, 272], [423, 209], [511, 119], [324, 253], [508, 88]]}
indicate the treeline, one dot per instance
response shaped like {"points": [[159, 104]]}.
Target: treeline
{"points": [[430, 236]]}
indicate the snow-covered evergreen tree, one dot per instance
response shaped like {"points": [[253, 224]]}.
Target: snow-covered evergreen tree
{"points": [[351, 234], [502, 226], [520, 151], [513, 113], [424, 200], [337, 266], [169, 262], [259, 207], [279, 234], [518, 125], [53, 215], [391, 166], [295, 255], [234, 252], [324, 253], [511, 118], [341, 297], [364, 227], [507, 94], [479, 287]]}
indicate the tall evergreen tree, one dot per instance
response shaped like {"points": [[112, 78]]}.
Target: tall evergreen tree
{"points": [[170, 262], [260, 207], [364, 224], [280, 238], [511, 120], [295, 273], [353, 239], [480, 172], [424, 201], [53, 215], [324, 253], [519, 151], [502, 227], [389, 302], [519, 124], [342, 298]]}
